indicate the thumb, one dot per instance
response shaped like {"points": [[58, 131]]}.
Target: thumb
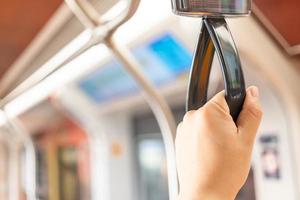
{"points": [[250, 116]]}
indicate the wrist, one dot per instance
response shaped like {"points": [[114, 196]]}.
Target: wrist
{"points": [[204, 196]]}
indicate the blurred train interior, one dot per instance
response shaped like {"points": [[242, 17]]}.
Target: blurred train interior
{"points": [[86, 131]]}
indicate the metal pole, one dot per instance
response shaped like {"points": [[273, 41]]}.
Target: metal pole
{"points": [[24, 139], [12, 144], [159, 107]]}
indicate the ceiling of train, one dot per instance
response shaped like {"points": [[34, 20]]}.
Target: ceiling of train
{"points": [[20, 21], [282, 19]]}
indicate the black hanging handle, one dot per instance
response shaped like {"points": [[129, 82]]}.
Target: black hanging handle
{"points": [[215, 36]]}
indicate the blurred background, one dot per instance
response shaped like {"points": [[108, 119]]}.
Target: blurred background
{"points": [[86, 132]]}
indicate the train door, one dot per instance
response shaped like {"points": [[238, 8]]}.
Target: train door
{"points": [[61, 153]]}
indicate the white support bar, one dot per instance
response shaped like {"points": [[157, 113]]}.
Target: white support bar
{"points": [[23, 139], [159, 107]]}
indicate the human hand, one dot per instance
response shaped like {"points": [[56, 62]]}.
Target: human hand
{"points": [[213, 153]]}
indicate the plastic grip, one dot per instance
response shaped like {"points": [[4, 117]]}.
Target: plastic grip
{"points": [[216, 37]]}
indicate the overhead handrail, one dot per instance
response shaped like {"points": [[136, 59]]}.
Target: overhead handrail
{"points": [[96, 32], [51, 66], [90, 18]]}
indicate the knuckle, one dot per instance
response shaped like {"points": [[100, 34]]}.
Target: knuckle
{"points": [[179, 127], [212, 108], [204, 115], [177, 142], [187, 117], [255, 111], [217, 106], [179, 135], [204, 112]]}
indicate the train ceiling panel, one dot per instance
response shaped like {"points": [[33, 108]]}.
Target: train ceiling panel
{"points": [[46, 25], [282, 19], [20, 21]]}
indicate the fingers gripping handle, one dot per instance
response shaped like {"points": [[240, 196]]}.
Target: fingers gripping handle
{"points": [[216, 37]]}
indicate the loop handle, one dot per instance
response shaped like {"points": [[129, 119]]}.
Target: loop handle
{"points": [[215, 36]]}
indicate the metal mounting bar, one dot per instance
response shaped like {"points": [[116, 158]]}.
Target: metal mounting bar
{"points": [[90, 18]]}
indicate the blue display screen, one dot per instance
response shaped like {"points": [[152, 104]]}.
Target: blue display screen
{"points": [[162, 60]]}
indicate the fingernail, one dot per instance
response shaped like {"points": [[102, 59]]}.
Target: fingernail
{"points": [[254, 92]]}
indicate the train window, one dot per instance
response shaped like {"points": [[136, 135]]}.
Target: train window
{"points": [[62, 154], [163, 59], [152, 168], [62, 163]]}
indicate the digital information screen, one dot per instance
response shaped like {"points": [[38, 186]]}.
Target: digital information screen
{"points": [[162, 60]]}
